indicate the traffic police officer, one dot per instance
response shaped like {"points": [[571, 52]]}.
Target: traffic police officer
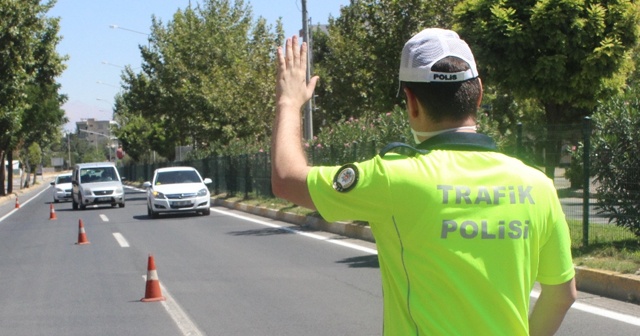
{"points": [[462, 231]]}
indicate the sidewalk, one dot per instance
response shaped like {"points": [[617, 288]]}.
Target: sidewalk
{"points": [[46, 178]]}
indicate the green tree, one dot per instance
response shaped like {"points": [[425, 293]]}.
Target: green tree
{"points": [[359, 62], [28, 66], [206, 80], [565, 54], [44, 116], [33, 158]]}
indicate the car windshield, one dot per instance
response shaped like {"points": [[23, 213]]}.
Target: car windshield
{"points": [[177, 176], [98, 174], [64, 179]]}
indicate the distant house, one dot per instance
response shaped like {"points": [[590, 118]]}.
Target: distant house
{"points": [[15, 167]]}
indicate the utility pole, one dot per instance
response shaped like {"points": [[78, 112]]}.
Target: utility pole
{"points": [[308, 116], [69, 149]]}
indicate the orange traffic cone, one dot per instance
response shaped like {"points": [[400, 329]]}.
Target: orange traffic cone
{"points": [[52, 213], [17, 203], [82, 235], [152, 292]]}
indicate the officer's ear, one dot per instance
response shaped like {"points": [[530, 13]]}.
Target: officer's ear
{"points": [[412, 103], [481, 93]]}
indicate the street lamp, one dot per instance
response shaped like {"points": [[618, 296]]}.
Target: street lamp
{"points": [[109, 137], [127, 29], [107, 84], [133, 31], [113, 65], [104, 100], [118, 66]]}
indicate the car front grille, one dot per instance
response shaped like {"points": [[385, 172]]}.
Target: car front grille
{"points": [[102, 192], [181, 196]]}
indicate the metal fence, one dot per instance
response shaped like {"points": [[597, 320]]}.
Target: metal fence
{"points": [[577, 188], [249, 175]]}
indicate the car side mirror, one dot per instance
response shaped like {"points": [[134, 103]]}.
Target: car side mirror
{"points": [[207, 181], [146, 184]]}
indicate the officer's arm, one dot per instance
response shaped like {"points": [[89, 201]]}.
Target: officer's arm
{"points": [[551, 307], [289, 168]]}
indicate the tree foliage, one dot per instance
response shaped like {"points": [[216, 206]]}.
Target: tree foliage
{"points": [[30, 110], [359, 62], [206, 79], [565, 54], [615, 160]]}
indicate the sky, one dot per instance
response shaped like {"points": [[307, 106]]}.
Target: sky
{"points": [[98, 53]]}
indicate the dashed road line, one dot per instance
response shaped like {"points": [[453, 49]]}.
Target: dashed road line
{"points": [[120, 239]]}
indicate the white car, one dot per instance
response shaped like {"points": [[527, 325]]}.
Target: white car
{"points": [[176, 190], [62, 188]]}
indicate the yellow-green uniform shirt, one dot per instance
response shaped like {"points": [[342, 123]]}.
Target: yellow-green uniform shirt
{"points": [[462, 235]]}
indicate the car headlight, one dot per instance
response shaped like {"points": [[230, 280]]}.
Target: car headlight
{"points": [[59, 190], [157, 194], [119, 190], [86, 191], [202, 192]]}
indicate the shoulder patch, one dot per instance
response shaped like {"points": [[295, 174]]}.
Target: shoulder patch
{"points": [[346, 178]]}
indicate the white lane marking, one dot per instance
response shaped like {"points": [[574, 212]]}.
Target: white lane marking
{"points": [[578, 305], [598, 311], [21, 204], [306, 234], [185, 324], [104, 218], [8, 215], [120, 239]]}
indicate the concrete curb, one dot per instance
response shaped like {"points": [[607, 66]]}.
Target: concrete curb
{"points": [[341, 228], [43, 181], [614, 285]]}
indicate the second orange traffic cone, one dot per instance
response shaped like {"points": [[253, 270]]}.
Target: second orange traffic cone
{"points": [[152, 292], [52, 212], [82, 235], [17, 203]]}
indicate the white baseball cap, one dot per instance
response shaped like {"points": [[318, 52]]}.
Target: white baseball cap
{"points": [[428, 47]]}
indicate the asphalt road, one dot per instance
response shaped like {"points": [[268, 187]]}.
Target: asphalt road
{"points": [[225, 274]]}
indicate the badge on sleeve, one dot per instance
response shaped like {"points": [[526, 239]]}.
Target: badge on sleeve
{"points": [[346, 178]]}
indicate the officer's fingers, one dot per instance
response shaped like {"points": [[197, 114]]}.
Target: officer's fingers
{"points": [[296, 50], [280, 60], [303, 54], [289, 54], [313, 81]]}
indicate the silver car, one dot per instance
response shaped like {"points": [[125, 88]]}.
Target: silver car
{"points": [[96, 183], [176, 190]]}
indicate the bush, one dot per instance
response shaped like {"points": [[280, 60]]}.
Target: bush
{"points": [[616, 163], [575, 172], [356, 139]]}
